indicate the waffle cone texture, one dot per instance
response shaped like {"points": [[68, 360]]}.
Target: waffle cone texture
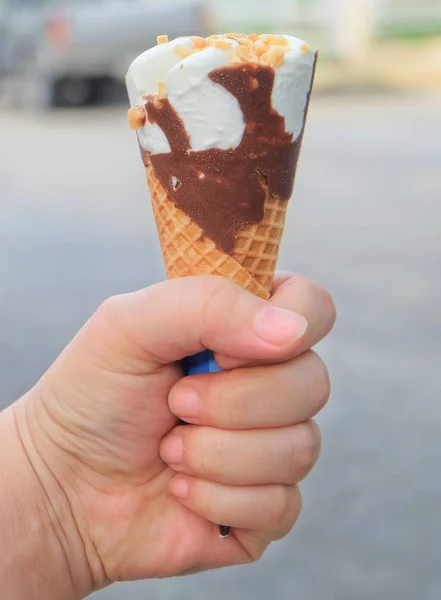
{"points": [[187, 251]]}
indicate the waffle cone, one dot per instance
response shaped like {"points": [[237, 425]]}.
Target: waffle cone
{"points": [[188, 251]]}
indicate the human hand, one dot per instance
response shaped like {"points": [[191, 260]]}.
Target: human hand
{"points": [[144, 495]]}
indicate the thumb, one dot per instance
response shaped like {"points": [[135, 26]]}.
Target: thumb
{"points": [[181, 317]]}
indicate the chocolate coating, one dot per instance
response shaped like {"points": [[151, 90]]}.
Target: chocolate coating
{"points": [[223, 190]]}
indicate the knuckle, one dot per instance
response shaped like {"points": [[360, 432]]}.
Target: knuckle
{"points": [[220, 296], [233, 400], [307, 449], [226, 400], [201, 451], [110, 308], [222, 403], [280, 506], [208, 503], [330, 308], [287, 505], [321, 381], [292, 512], [194, 458], [311, 292], [303, 285], [109, 313], [213, 396]]}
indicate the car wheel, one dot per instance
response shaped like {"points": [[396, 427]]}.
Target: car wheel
{"points": [[73, 92]]}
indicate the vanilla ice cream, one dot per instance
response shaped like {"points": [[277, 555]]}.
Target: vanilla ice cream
{"points": [[212, 115], [220, 125]]}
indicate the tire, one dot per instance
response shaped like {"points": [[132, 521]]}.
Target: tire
{"points": [[73, 92]]}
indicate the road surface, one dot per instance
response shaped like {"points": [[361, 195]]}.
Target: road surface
{"points": [[76, 227]]}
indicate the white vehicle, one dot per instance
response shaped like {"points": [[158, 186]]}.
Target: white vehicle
{"points": [[64, 52]]}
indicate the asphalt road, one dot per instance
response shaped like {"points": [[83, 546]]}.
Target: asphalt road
{"points": [[75, 227]]}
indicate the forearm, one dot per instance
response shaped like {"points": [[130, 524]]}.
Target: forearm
{"points": [[39, 546]]}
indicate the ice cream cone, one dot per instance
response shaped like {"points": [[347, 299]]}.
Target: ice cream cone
{"points": [[188, 251], [190, 230], [220, 125]]}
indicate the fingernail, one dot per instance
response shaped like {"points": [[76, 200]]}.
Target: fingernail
{"points": [[179, 488], [185, 402], [278, 326], [172, 450]]}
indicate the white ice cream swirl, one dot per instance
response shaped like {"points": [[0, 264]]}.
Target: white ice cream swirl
{"points": [[211, 115]]}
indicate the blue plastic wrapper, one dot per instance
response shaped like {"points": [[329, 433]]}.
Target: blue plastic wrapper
{"points": [[201, 363], [196, 365]]}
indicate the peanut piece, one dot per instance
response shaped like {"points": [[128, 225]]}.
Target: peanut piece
{"points": [[276, 56], [267, 38], [162, 93], [199, 42], [246, 42], [244, 53], [234, 58], [264, 59], [221, 44], [137, 117], [260, 47], [162, 39], [279, 40], [182, 52]]}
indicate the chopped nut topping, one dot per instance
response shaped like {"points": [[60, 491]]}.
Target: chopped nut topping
{"points": [[246, 42], [234, 58], [254, 84], [221, 44], [162, 90], [243, 53], [137, 117], [238, 37], [181, 51], [266, 49], [267, 38], [304, 48], [276, 56], [162, 39], [260, 47], [279, 40], [199, 42]]}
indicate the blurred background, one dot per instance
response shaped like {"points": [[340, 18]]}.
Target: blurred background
{"points": [[76, 227]]}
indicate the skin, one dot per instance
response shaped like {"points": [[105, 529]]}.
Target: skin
{"points": [[98, 481]]}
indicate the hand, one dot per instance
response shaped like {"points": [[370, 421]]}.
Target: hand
{"points": [[144, 495]]}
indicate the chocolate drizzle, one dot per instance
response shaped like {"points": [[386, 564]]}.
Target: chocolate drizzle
{"points": [[223, 190]]}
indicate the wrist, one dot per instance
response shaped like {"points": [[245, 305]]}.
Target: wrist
{"points": [[42, 554]]}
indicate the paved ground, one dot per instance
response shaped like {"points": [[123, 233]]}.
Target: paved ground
{"points": [[75, 226]]}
